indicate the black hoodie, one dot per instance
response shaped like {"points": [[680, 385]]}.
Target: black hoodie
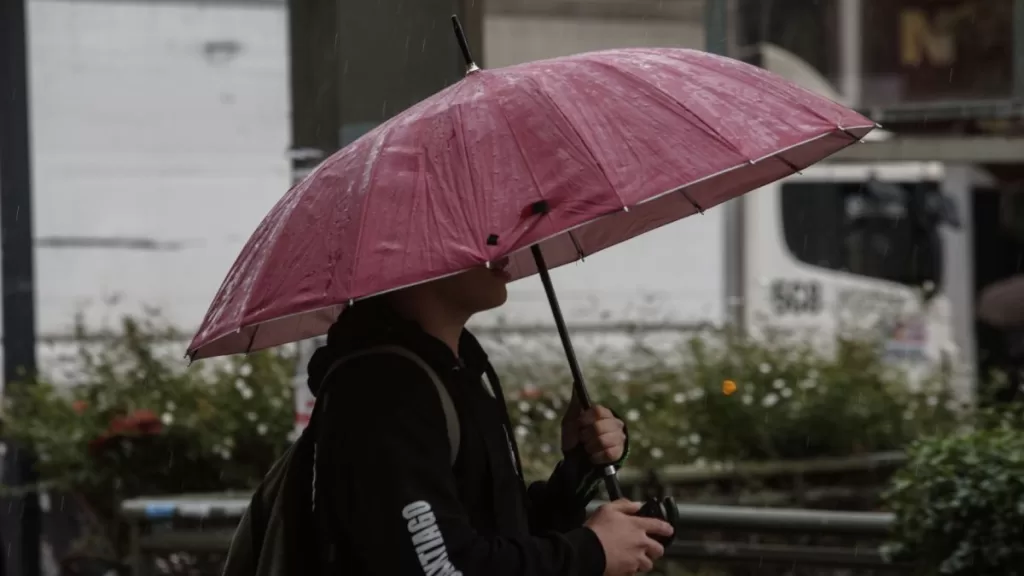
{"points": [[388, 495]]}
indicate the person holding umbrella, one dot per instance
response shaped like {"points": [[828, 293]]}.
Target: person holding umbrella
{"points": [[387, 491], [395, 241]]}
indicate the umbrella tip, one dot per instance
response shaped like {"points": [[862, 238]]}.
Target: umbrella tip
{"points": [[460, 36]]}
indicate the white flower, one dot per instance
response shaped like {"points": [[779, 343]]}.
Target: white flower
{"points": [[167, 418], [632, 415], [549, 414], [657, 453], [524, 406], [245, 369], [170, 406], [243, 389], [522, 431], [696, 394], [769, 400], [748, 399], [786, 392], [679, 398], [695, 439], [262, 429], [765, 368], [779, 384], [251, 416]]}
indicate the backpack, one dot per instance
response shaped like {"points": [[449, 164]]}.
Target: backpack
{"points": [[272, 536]]}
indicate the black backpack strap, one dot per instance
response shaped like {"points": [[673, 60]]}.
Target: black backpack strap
{"points": [[451, 416]]}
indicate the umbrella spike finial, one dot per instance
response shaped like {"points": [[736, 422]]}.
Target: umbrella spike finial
{"points": [[460, 35]]}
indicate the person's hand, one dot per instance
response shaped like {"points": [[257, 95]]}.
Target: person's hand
{"points": [[626, 539], [602, 434]]}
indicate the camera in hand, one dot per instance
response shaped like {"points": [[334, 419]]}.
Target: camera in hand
{"points": [[662, 509]]}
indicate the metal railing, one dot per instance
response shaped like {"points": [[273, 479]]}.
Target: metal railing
{"points": [[205, 524]]}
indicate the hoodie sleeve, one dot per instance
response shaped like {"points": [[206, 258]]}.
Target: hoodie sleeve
{"points": [[396, 494], [560, 503]]}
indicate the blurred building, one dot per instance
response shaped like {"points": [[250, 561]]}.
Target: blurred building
{"points": [[162, 129]]}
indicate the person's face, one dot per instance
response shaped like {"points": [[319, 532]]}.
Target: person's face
{"points": [[477, 289]]}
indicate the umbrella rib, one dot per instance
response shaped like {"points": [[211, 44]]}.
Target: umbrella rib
{"points": [[522, 153], [583, 141], [770, 88], [465, 151], [576, 244], [252, 339], [700, 120], [365, 208]]}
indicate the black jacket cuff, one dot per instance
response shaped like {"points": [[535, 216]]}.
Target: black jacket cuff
{"points": [[590, 560]]}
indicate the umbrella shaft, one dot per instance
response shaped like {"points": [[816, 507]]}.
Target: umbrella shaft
{"points": [[611, 481], [578, 384]]}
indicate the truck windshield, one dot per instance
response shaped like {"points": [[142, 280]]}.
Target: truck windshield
{"points": [[880, 230]]}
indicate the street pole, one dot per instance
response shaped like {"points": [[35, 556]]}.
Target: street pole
{"points": [[19, 330], [716, 41], [1018, 49], [356, 64]]}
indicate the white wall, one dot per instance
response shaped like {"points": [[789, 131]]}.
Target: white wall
{"points": [[143, 129], [169, 121]]}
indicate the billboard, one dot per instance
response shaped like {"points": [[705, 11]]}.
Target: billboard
{"points": [[911, 51], [936, 50]]}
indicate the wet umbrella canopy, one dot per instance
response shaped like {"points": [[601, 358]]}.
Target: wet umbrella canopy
{"points": [[543, 163]]}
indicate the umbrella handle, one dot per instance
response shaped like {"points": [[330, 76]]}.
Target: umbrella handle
{"points": [[611, 481]]}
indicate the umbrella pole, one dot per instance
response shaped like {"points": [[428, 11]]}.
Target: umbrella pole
{"points": [[611, 481]]}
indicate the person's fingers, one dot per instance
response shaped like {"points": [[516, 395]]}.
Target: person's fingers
{"points": [[600, 428], [607, 448], [645, 564], [595, 414], [654, 526], [654, 548], [625, 506]]}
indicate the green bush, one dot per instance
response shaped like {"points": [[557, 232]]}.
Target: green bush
{"points": [[218, 425], [959, 502], [134, 419], [789, 402]]}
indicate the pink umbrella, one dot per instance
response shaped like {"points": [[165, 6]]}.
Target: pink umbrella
{"points": [[575, 154], [563, 157]]}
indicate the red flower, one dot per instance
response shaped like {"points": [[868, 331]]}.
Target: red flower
{"points": [[79, 406], [138, 423], [531, 393]]}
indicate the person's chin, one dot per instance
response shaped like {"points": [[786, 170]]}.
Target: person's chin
{"points": [[496, 301]]}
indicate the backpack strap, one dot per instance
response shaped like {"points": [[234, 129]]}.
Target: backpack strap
{"points": [[451, 416]]}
